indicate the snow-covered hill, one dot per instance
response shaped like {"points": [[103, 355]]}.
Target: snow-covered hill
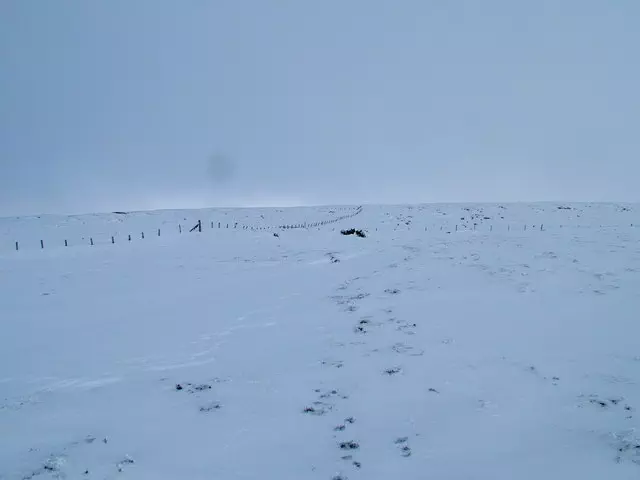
{"points": [[454, 342]]}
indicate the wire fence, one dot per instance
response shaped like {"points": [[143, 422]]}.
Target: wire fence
{"points": [[512, 227], [200, 227]]}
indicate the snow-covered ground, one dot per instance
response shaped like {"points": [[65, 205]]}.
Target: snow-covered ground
{"points": [[454, 342]]}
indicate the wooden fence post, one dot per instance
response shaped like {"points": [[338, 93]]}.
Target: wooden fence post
{"points": [[199, 226]]}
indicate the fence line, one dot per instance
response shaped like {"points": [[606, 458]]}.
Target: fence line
{"points": [[483, 227], [236, 226]]}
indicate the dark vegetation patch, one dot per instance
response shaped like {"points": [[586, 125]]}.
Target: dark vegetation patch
{"points": [[353, 231]]}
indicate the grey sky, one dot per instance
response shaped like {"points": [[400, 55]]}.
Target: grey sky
{"points": [[132, 104]]}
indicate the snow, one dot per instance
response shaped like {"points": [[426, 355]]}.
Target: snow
{"points": [[421, 351]]}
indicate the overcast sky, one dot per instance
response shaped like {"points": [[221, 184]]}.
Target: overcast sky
{"points": [[140, 104]]}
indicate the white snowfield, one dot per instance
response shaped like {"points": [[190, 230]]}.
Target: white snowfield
{"points": [[453, 342]]}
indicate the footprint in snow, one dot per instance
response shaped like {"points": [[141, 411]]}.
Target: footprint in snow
{"points": [[325, 402], [627, 445], [347, 421], [191, 388], [127, 461], [406, 328], [393, 371], [609, 403], [334, 364], [318, 409], [349, 445], [403, 349], [210, 407], [403, 445]]}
